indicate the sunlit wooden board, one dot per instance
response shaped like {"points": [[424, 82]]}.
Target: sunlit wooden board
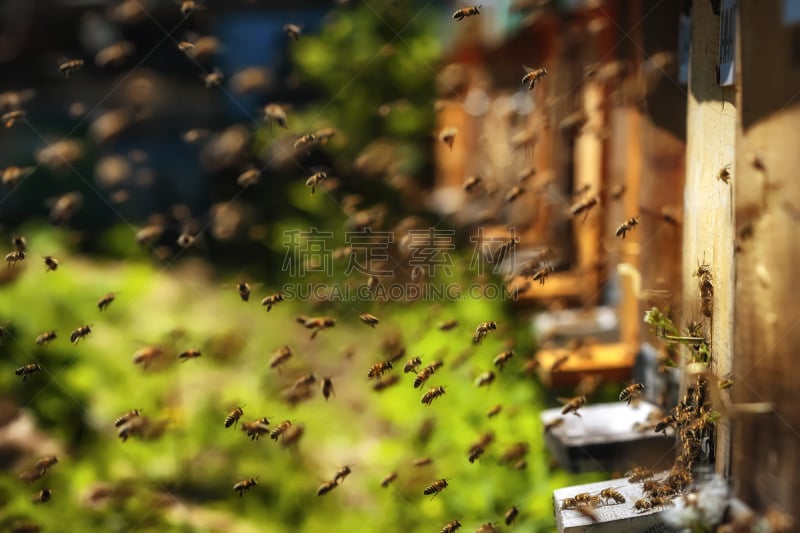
{"points": [[613, 361]]}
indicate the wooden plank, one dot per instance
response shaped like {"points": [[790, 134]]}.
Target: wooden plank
{"points": [[613, 361]]}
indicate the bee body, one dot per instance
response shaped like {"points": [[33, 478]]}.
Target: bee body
{"points": [[272, 300], [467, 12], [583, 206], [326, 487], [248, 178], [472, 183], [573, 404], [293, 31], [511, 515], [494, 411], [412, 364], [256, 429], [482, 330], [127, 417], [385, 482], [305, 381], [612, 494], [50, 263], [432, 394], [377, 370], [501, 360], [71, 66], [475, 452], [550, 426], [189, 354], [451, 527], [435, 488], [245, 485], [631, 393], [368, 319], [327, 388], [79, 333], [448, 325], [641, 505], [275, 113], [281, 356], [638, 474], [484, 379], [342, 473], [315, 180], [45, 337], [10, 118], [28, 370], [533, 76], [233, 417], [43, 496], [14, 257], [280, 429], [105, 301], [627, 226]]}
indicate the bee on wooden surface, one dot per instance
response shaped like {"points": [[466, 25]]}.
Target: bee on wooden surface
{"points": [[631, 393], [272, 300], [293, 31], [146, 356], [533, 76], [315, 180], [14, 257], [432, 394], [248, 178], [435, 488], [79, 333], [482, 330], [502, 359], [326, 487], [448, 136], [569, 503], [627, 226], [412, 364], [280, 429], [385, 482], [127, 417], [612, 494], [485, 378], [638, 474], [661, 501], [43, 496], [281, 356], [451, 527], [511, 515], [494, 411], [191, 353], [467, 12], [327, 388], [256, 428], [378, 369], [447, 325], [11, 176], [45, 337], [515, 192], [475, 452], [386, 383], [233, 417], [553, 424], [472, 183], [583, 206], [724, 174], [105, 301], [572, 405], [50, 263], [275, 113], [11, 117], [68, 67], [368, 319], [245, 485]]}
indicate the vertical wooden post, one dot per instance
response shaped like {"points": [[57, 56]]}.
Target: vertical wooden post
{"points": [[766, 448], [708, 225]]}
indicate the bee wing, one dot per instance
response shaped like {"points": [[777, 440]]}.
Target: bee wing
{"points": [[527, 69], [564, 400]]}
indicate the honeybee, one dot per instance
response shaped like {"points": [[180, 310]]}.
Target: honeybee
{"points": [[642, 504], [11, 117], [305, 381], [11, 176], [248, 178], [280, 429], [475, 452], [385, 482], [50, 263], [105, 301], [569, 503], [257, 428], [326, 487], [233, 417], [316, 323], [706, 284], [533, 76], [275, 113], [29, 476], [638, 474], [422, 376], [472, 183], [125, 418], [147, 355], [627, 226], [292, 31], [20, 243], [213, 78], [724, 174], [583, 206], [482, 330], [46, 462], [315, 180], [245, 485], [435, 488], [342, 473], [412, 364], [451, 527], [43, 496], [327, 388], [369, 319], [45, 337], [560, 362], [631, 393], [14, 257], [486, 378], [511, 515], [530, 366], [503, 358], [612, 494], [272, 300], [68, 67], [79, 333], [28, 370], [494, 411], [386, 383], [422, 461], [432, 394], [191, 353], [550, 426], [515, 192], [542, 274], [514, 453], [447, 325], [662, 501], [467, 12], [325, 134], [377, 370], [448, 136], [488, 527], [305, 141], [572, 405], [281, 356], [187, 47], [503, 250], [292, 435]]}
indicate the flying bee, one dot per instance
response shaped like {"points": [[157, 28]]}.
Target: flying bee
{"points": [[305, 141], [293, 31], [515, 192], [447, 325], [316, 323], [272, 300], [280, 429], [46, 462], [127, 417], [281, 356], [533, 76], [305, 381], [530, 366], [542, 274], [50, 263], [435, 488], [631, 393], [14, 257], [503, 358], [412, 364], [369, 319], [511, 515], [503, 250], [475, 451], [422, 376], [257, 428], [526, 173], [213, 78], [342, 473], [248, 178], [79, 333], [385, 482], [233, 417], [422, 461], [11, 176], [191, 353], [326, 487], [627, 226], [386, 383], [638, 474], [12, 116], [244, 289], [472, 183], [553, 424], [68, 67], [186, 47], [612, 494], [327, 388], [467, 12], [572, 405], [724, 174], [488, 527], [45, 337], [147, 355], [583, 206], [485, 378], [325, 134], [105, 301], [432, 394], [494, 411], [28, 370], [275, 113], [451, 527], [43, 496], [377, 370], [315, 180], [482, 330], [667, 421], [245, 485], [448, 136]]}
